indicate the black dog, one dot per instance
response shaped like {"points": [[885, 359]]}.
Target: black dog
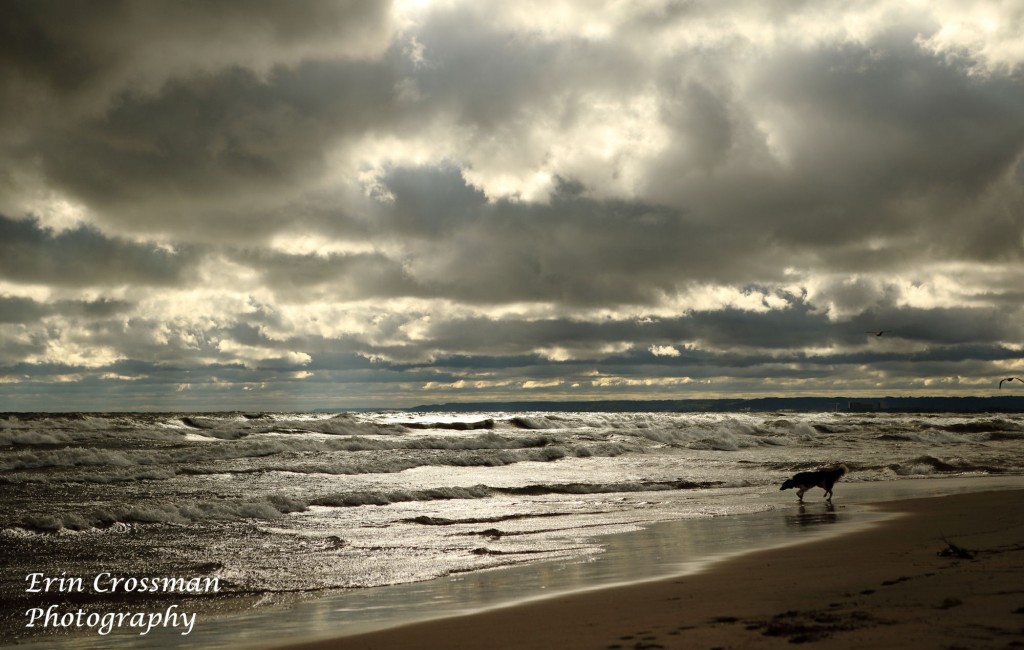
{"points": [[825, 479]]}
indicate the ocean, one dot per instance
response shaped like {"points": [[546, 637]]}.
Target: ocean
{"points": [[227, 516]]}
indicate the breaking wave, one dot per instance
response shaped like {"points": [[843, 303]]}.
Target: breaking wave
{"points": [[275, 506], [236, 467], [272, 507], [929, 465]]}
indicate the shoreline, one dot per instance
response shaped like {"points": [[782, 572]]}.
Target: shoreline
{"points": [[650, 557], [895, 584]]}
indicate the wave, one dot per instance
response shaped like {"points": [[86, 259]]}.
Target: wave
{"points": [[10, 437], [117, 468], [426, 520], [983, 426], [723, 441], [483, 491], [380, 498], [805, 430], [456, 426], [197, 422], [270, 507], [348, 424], [998, 436], [725, 437], [265, 447], [79, 421], [67, 457], [275, 506], [15, 430], [243, 425], [536, 423], [599, 488], [928, 465], [389, 465], [928, 436], [118, 475]]}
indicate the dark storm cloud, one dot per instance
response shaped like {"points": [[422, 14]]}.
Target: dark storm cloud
{"points": [[696, 365], [574, 250], [83, 257], [26, 310], [459, 245], [345, 276], [431, 202], [206, 151], [182, 117], [865, 128], [472, 197], [777, 331], [946, 326], [21, 310], [67, 49], [874, 139], [493, 78]]}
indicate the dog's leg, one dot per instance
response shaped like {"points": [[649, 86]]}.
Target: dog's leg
{"points": [[800, 494], [828, 495]]}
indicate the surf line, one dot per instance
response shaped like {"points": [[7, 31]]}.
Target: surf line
{"points": [[105, 623]]}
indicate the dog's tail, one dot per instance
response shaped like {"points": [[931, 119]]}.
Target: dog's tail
{"points": [[843, 469]]}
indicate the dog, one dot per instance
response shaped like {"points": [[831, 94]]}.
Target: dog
{"points": [[823, 478]]}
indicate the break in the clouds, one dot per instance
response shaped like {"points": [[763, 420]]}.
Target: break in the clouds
{"points": [[277, 205]]}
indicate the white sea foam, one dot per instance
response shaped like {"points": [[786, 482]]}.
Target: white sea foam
{"points": [[9, 436]]}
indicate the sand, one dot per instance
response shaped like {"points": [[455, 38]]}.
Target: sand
{"points": [[947, 573]]}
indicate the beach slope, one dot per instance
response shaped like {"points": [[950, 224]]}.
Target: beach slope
{"points": [[947, 573]]}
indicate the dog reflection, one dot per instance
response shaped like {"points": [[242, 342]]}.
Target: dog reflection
{"points": [[813, 515]]}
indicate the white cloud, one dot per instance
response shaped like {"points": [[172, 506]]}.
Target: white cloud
{"points": [[541, 383], [252, 356], [664, 351], [986, 32]]}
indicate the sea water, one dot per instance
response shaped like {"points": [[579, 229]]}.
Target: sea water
{"points": [[359, 514]]}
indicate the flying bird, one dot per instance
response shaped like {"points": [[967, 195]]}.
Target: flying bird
{"points": [[1001, 381], [878, 332]]}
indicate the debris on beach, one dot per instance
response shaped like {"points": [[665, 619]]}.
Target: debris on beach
{"points": [[952, 550]]}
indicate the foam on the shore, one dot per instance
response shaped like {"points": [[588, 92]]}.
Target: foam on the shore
{"points": [[656, 552]]}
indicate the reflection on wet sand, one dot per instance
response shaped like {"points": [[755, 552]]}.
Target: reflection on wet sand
{"points": [[824, 513]]}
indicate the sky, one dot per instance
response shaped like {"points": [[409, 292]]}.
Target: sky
{"points": [[270, 205]]}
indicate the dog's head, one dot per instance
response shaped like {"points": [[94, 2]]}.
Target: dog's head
{"points": [[787, 485]]}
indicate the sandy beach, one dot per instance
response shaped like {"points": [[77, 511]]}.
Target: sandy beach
{"points": [[946, 573]]}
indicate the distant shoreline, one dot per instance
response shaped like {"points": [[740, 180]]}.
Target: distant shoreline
{"points": [[1006, 404], [839, 404]]}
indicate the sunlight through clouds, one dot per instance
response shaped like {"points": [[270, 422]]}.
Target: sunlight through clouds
{"points": [[426, 200]]}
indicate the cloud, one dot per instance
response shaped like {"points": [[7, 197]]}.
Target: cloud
{"points": [[52, 51], [21, 310], [83, 257], [664, 351], [344, 276], [16, 309], [393, 202]]}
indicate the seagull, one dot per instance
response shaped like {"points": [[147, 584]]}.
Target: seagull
{"points": [[877, 333], [1010, 379]]}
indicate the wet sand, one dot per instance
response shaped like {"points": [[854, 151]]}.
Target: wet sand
{"points": [[947, 573]]}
